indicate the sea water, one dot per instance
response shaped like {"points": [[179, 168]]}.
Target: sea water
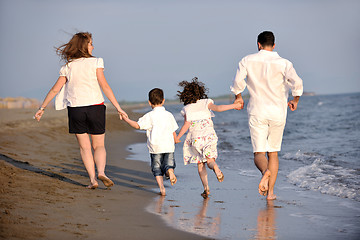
{"points": [[319, 157]]}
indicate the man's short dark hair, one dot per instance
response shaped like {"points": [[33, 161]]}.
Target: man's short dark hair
{"points": [[266, 38], [156, 96]]}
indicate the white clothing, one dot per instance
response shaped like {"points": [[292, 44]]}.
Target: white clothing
{"points": [[266, 135], [160, 126], [269, 78], [198, 110], [201, 139], [82, 87]]}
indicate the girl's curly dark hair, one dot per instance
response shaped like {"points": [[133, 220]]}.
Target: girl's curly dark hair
{"points": [[192, 92]]}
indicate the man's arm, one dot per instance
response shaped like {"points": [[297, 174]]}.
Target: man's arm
{"points": [[293, 103], [239, 83]]}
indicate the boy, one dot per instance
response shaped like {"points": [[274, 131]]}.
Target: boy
{"points": [[160, 126]]}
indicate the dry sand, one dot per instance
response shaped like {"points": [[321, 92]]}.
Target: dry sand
{"points": [[42, 190]]}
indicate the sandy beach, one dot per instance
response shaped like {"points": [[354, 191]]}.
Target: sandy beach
{"points": [[43, 195], [43, 181]]}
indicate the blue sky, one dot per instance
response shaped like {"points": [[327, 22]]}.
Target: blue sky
{"points": [[147, 44]]}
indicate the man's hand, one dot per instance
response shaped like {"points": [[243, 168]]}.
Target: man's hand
{"points": [[293, 103]]}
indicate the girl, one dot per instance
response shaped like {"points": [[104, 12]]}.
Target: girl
{"points": [[79, 89], [201, 140]]}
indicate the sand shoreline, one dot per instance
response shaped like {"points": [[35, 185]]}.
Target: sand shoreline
{"points": [[43, 194]]}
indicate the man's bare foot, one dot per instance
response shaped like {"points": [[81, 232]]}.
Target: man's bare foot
{"points": [[107, 182], [264, 183], [271, 197]]}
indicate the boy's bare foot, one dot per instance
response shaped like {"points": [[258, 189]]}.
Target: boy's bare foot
{"points": [[264, 183], [172, 176], [162, 192], [271, 197], [92, 186], [107, 182]]}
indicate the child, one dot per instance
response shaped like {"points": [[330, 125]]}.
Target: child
{"points": [[201, 140], [160, 126], [78, 89]]}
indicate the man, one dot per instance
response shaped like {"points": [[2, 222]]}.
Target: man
{"points": [[269, 78]]}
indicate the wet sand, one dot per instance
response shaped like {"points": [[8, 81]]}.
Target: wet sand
{"points": [[42, 190]]}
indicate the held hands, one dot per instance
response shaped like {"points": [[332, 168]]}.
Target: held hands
{"points": [[177, 140], [239, 102], [122, 114]]}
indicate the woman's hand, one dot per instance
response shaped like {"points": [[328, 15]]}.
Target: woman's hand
{"points": [[39, 114], [122, 114]]}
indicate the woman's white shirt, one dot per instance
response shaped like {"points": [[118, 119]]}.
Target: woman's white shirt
{"points": [[82, 87]]}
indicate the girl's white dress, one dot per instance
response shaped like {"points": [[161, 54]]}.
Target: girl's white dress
{"points": [[201, 140]]}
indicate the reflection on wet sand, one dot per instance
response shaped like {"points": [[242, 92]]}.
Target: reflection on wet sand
{"points": [[266, 222], [200, 223]]}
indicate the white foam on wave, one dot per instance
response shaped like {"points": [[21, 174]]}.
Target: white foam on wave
{"points": [[327, 179]]}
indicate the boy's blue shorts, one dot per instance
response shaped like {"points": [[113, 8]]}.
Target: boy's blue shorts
{"points": [[161, 163]]}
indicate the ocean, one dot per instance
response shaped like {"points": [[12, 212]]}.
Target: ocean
{"points": [[319, 162]]}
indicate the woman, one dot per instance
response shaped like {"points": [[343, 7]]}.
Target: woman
{"points": [[79, 89]]}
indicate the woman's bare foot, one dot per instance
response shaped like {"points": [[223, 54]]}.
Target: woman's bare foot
{"points": [[92, 186], [107, 182], [264, 183]]}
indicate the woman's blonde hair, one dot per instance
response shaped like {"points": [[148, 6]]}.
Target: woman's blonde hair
{"points": [[76, 48]]}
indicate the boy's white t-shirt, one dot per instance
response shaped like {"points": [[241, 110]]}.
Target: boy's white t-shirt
{"points": [[82, 87], [160, 126], [198, 111]]}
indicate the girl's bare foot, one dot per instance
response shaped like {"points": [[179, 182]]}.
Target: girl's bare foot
{"points": [[206, 193], [264, 183], [219, 175]]}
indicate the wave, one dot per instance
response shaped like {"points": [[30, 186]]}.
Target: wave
{"points": [[327, 179]]}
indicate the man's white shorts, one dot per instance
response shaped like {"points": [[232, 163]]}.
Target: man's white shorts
{"points": [[266, 135]]}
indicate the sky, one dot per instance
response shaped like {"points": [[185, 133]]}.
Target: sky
{"points": [[148, 44]]}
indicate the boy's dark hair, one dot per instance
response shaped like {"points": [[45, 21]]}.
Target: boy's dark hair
{"points": [[266, 38], [192, 92], [156, 96]]}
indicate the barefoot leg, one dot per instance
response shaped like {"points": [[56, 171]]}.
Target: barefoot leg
{"points": [[203, 176], [172, 176], [264, 183], [160, 182], [261, 163], [213, 166], [273, 167]]}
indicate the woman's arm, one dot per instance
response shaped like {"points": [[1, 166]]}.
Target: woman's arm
{"points": [[51, 94], [183, 130], [222, 108], [108, 91]]}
